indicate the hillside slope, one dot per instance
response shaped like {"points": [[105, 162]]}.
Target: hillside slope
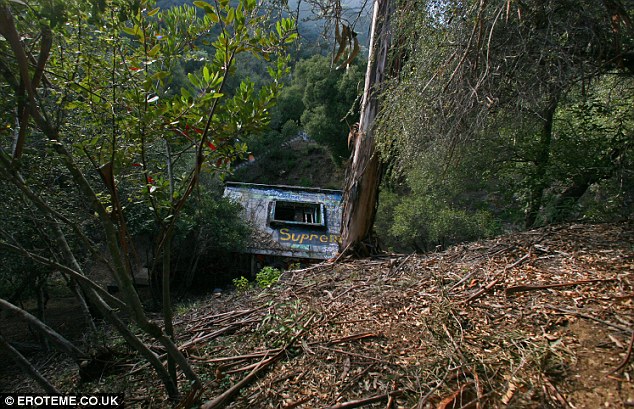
{"points": [[540, 319], [298, 162]]}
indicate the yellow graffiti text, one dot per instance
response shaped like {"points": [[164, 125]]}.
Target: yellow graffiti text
{"points": [[287, 236]]}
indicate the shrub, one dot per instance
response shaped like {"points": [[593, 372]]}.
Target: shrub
{"points": [[268, 276], [241, 284]]}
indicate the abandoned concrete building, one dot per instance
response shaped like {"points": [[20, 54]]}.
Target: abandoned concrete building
{"points": [[289, 222]]}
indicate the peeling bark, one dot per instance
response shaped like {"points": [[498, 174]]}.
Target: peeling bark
{"points": [[364, 170]]}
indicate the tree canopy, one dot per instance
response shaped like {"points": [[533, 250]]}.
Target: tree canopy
{"points": [[522, 110], [93, 128]]}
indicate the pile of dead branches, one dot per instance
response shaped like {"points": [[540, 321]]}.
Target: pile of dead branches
{"points": [[530, 320], [522, 321]]}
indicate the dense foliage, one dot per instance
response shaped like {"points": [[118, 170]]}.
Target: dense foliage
{"points": [[321, 101], [507, 114], [107, 132]]}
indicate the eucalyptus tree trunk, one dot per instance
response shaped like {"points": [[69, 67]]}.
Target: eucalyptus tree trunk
{"points": [[364, 170]]}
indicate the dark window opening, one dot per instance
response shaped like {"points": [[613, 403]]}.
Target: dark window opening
{"points": [[311, 214]]}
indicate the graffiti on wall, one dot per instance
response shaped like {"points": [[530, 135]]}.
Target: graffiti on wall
{"points": [[296, 236], [279, 237]]}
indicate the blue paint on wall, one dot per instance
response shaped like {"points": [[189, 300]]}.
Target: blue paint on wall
{"points": [[289, 239]]}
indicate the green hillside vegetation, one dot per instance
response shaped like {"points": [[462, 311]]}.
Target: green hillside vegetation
{"points": [[296, 163], [519, 132], [504, 126], [323, 103]]}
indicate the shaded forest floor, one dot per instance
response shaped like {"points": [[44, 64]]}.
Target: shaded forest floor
{"points": [[540, 319]]}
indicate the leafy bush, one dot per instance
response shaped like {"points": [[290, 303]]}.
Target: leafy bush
{"points": [[241, 284], [268, 276], [435, 205], [265, 278], [421, 223]]}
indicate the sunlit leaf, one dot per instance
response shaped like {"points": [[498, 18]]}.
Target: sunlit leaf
{"points": [[205, 6], [129, 30], [154, 50]]}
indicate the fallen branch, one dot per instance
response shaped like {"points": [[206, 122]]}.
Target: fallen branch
{"points": [[482, 291], [524, 288], [58, 340], [590, 317], [300, 402], [460, 398], [216, 319], [220, 400], [489, 286], [463, 279], [402, 263], [350, 338], [554, 394], [518, 261], [236, 357], [209, 336], [246, 368], [27, 367], [223, 398], [366, 401], [341, 351], [628, 355], [354, 287], [352, 382]]}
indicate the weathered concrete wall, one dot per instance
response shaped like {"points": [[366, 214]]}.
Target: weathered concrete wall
{"points": [[289, 239]]}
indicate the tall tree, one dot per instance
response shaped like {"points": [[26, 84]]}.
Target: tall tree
{"points": [[364, 170], [458, 68]]}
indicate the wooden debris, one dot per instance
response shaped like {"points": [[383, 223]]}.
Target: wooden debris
{"points": [[628, 355], [508, 395], [365, 401], [465, 398], [410, 324], [524, 288], [222, 399]]}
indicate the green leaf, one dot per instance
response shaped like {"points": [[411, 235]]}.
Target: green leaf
{"points": [[129, 30], [154, 50], [213, 17], [240, 19], [194, 80], [250, 5], [206, 74], [153, 12], [278, 28], [160, 75], [205, 6]]}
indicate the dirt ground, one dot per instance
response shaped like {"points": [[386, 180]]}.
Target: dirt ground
{"points": [[541, 319]]}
